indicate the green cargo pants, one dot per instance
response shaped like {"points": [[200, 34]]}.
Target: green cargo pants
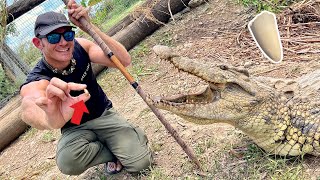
{"points": [[101, 140]]}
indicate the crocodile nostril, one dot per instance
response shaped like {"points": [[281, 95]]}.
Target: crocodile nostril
{"points": [[224, 67]]}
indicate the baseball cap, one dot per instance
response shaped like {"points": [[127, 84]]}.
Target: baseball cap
{"points": [[49, 21]]}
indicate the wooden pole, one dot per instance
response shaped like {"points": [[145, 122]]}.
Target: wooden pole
{"points": [[139, 90]]}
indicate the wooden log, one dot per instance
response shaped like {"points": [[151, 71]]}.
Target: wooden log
{"points": [[20, 7], [11, 125], [121, 25]]}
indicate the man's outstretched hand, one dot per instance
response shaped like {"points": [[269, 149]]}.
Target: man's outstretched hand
{"points": [[58, 100]]}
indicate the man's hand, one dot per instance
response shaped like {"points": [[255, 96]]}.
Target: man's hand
{"points": [[75, 12], [58, 100]]}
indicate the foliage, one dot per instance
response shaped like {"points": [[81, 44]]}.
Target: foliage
{"points": [[29, 53], [108, 10], [3, 20], [4, 28], [6, 87], [86, 3], [272, 5]]}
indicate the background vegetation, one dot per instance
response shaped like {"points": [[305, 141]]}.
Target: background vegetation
{"points": [[272, 5]]}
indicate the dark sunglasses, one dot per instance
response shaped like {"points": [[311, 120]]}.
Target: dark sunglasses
{"points": [[54, 37]]}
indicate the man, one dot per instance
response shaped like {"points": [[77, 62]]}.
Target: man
{"points": [[64, 77]]}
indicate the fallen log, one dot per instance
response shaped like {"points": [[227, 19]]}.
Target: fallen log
{"points": [[10, 122], [11, 126], [121, 25]]}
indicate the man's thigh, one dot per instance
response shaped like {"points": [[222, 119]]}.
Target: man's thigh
{"points": [[126, 142], [78, 149]]}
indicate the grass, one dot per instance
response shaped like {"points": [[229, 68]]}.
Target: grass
{"points": [[31, 132], [118, 16], [203, 146], [165, 39], [38, 169], [260, 163], [272, 5], [139, 68], [48, 136], [158, 173], [156, 147], [105, 20]]}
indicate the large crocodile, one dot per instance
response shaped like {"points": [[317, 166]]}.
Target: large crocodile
{"points": [[281, 116]]}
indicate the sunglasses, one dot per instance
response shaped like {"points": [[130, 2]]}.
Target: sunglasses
{"points": [[54, 37]]}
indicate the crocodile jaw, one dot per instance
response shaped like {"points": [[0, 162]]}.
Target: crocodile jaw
{"points": [[216, 103]]}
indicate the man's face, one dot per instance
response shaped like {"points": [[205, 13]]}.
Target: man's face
{"points": [[61, 51]]}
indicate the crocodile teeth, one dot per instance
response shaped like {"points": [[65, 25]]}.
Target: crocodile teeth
{"points": [[204, 97]]}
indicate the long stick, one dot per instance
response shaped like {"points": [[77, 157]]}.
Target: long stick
{"points": [[136, 86]]}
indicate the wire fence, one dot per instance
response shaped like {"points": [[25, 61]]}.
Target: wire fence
{"points": [[18, 55]]}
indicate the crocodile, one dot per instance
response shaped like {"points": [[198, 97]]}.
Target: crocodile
{"points": [[282, 116]]}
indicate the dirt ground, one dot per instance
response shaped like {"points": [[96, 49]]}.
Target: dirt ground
{"points": [[215, 31]]}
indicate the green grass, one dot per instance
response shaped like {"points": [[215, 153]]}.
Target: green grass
{"points": [[157, 173], [138, 68], [30, 133], [105, 20], [48, 136], [202, 146], [156, 146], [259, 163], [272, 5]]}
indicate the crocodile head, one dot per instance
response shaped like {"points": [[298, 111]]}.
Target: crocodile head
{"points": [[230, 94], [282, 120]]}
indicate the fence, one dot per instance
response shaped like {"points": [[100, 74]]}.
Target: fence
{"points": [[18, 55]]}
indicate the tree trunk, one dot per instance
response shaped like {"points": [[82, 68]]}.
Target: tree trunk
{"points": [[11, 125], [19, 8], [143, 26]]}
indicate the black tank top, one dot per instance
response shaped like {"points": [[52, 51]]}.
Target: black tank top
{"points": [[83, 74]]}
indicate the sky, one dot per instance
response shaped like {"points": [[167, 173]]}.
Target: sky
{"points": [[25, 23], [9, 2]]}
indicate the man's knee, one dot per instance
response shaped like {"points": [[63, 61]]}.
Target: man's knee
{"points": [[68, 164], [140, 165]]}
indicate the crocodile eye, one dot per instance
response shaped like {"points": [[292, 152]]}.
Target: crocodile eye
{"points": [[224, 67]]}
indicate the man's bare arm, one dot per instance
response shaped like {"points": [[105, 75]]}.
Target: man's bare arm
{"points": [[31, 113], [95, 53], [117, 48]]}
